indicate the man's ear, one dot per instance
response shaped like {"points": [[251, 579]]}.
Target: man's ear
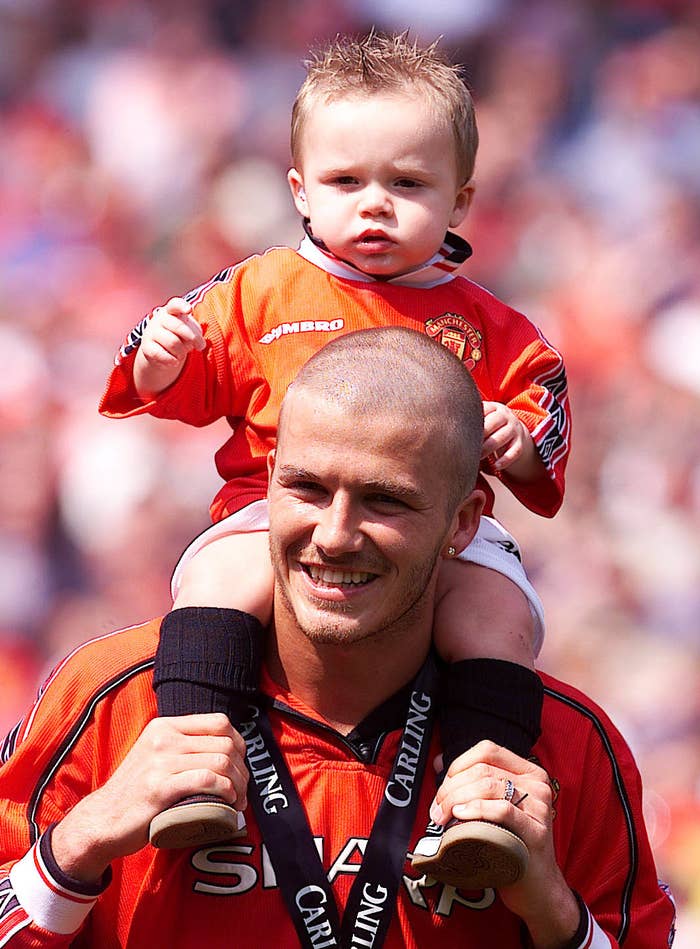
{"points": [[296, 185], [270, 466], [465, 523]]}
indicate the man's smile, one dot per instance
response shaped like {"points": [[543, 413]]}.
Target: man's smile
{"points": [[337, 577]]}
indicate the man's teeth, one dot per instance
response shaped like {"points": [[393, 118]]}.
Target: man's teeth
{"points": [[336, 577]]}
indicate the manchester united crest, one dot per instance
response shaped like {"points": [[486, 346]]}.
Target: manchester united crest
{"points": [[453, 331]]}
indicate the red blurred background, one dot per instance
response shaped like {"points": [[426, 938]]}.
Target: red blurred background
{"points": [[144, 147]]}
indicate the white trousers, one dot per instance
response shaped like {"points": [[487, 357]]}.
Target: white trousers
{"points": [[492, 547]]}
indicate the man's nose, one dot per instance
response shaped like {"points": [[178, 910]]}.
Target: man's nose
{"points": [[337, 529], [375, 200]]}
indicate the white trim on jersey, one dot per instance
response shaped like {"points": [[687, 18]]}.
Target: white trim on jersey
{"points": [[49, 904]]}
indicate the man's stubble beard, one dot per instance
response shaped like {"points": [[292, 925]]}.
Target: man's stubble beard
{"points": [[420, 578]]}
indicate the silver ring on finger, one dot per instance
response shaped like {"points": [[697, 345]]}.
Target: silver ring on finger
{"points": [[509, 792]]}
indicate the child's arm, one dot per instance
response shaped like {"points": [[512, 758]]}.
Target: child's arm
{"points": [[185, 371], [508, 440], [169, 336], [531, 383]]}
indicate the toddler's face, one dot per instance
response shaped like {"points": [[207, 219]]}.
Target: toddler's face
{"points": [[378, 180]]}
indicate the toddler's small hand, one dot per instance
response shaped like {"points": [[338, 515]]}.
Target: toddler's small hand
{"points": [[172, 332], [505, 436]]}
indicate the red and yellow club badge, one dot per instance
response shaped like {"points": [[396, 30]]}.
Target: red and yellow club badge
{"points": [[453, 331]]}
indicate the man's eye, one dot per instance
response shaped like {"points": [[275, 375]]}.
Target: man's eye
{"points": [[388, 500], [305, 487]]}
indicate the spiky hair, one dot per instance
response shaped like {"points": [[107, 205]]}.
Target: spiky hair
{"points": [[388, 63]]}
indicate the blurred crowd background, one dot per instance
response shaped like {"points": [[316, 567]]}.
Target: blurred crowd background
{"points": [[143, 147]]}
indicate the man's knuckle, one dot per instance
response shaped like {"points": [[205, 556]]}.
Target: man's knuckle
{"points": [[539, 774], [204, 778], [239, 745], [228, 746], [158, 742], [486, 746], [494, 787]]}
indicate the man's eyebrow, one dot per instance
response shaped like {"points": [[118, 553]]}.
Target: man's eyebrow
{"points": [[397, 489], [293, 473]]}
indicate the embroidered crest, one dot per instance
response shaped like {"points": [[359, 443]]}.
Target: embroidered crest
{"points": [[458, 335]]}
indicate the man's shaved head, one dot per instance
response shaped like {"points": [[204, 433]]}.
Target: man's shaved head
{"points": [[401, 373]]}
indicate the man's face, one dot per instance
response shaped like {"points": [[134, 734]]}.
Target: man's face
{"points": [[358, 520]]}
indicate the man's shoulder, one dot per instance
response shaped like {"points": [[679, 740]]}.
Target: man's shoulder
{"points": [[560, 694], [109, 656], [98, 667], [576, 728], [115, 667]]}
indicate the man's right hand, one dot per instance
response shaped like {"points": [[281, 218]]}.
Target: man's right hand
{"points": [[473, 789], [173, 758], [171, 333]]}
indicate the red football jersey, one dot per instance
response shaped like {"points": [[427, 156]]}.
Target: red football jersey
{"points": [[265, 317], [98, 701]]}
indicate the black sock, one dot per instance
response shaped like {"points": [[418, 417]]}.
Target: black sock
{"points": [[208, 660], [494, 699]]}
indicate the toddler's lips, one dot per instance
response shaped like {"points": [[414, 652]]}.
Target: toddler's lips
{"points": [[374, 241]]}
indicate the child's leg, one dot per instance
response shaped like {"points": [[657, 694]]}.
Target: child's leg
{"points": [[208, 660], [234, 572], [485, 629]]}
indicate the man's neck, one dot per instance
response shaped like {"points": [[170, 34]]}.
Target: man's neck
{"points": [[343, 684]]}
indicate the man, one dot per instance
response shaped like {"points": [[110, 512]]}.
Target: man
{"points": [[369, 492]]}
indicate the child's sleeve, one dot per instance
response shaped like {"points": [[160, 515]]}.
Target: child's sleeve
{"points": [[533, 384], [213, 384]]}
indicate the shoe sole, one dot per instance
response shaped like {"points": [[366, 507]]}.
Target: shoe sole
{"points": [[476, 855], [195, 823]]}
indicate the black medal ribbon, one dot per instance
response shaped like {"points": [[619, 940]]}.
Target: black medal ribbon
{"points": [[285, 830]]}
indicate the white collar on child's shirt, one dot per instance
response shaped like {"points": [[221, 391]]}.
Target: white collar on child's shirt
{"points": [[439, 269]]}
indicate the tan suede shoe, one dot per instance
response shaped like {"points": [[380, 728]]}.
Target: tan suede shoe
{"points": [[195, 821], [472, 855]]}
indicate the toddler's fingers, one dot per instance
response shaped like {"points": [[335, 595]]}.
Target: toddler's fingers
{"points": [[175, 319], [177, 306], [197, 335]]}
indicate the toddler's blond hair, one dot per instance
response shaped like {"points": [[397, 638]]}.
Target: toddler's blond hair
{"points": [[379, 63]]}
